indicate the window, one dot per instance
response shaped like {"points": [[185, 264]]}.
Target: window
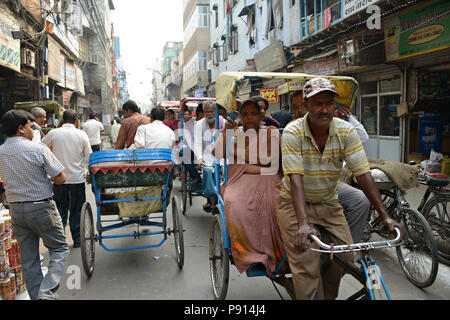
{"points": [[203, 16], [202, 61], [379, 102]]}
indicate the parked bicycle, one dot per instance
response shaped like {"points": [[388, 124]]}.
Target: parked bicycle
{"points": [[418, 255], [436, 211]]}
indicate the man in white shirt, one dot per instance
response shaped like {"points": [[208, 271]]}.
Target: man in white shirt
{"points": [[115, 128], [204, 131], [94, 128], [72, 148], [155, 135], [40, 119]]}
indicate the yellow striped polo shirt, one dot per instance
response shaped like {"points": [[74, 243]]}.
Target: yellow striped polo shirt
{"points": [[320, 172]]}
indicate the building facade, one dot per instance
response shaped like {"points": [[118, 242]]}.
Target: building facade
{"points": [[196, 44]]}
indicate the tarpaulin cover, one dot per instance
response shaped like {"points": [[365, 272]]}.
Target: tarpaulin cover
{"points": [[227, 83]]}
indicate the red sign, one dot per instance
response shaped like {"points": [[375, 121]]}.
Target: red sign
{"points": [[270, 94]]}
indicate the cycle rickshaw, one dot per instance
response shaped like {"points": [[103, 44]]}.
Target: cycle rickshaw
{"points": [[134, 185], [220, 253], [187, 188]]}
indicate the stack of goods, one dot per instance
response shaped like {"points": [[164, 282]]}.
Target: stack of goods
{"points": [[11, 277]]}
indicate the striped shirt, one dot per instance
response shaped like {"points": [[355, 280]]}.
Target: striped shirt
{"points": [[321, 172], [25, 167]]}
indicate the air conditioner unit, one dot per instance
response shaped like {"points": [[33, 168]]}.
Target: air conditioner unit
{"points": [[93, 58], [31, 58], [27, 58]]}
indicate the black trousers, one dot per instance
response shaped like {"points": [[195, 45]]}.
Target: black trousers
{"points": [[70, 198]]}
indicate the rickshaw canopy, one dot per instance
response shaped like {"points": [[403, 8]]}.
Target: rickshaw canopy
{"points": [[227, 85], [191, 102], [48, 105]]}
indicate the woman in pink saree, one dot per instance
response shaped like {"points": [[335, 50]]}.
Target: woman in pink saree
{"points": [[252, 192]]}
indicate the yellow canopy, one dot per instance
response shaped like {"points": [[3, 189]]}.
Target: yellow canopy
{"points": [[48, 105], [228, 82]]}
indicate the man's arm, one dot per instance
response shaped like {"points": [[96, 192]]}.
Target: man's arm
{"points": [[59, 179], [299, 202]]}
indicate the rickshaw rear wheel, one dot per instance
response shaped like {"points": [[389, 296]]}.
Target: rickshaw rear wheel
{"points": [[219, 260], [178, 233], [87, 239]]}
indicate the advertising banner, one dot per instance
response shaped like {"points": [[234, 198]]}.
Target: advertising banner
{"points": [[270, 94], [423, 29], [9, 48], [430, 128]]}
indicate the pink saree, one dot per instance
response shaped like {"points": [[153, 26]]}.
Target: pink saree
{"points": [[250, 212]]}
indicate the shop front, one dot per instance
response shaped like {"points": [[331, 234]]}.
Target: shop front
{"points": [[419, 38]]}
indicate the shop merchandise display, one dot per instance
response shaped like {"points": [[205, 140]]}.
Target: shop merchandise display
{"points": [[11, 277]]}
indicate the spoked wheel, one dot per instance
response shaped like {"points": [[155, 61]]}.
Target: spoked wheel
{"points": [[437, 213], [418, 255], [219, 260], [87, 239], [178, 233]]}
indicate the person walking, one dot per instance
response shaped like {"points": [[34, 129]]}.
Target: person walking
{"points": [[94, 129], [40, 119], [130, 125], [115, 128], [28, 170], [72, 148]]}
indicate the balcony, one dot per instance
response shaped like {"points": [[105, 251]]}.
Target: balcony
{"points": [[322, 18]]}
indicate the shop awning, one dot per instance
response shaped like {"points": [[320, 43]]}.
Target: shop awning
{"points": [[48, 105], [246, 10]]}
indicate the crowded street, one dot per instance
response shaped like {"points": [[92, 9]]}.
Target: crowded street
{"points": [[225, 158]]}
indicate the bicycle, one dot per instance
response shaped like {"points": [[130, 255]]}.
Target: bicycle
{"points": [[418, 256], [368, 273], [436, 211]]}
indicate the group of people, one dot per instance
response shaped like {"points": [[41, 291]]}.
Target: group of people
{"points": [[286, 204], [45, 180], [295, 191]]}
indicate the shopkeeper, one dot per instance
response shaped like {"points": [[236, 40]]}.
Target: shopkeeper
{"points": [[25, 167]]}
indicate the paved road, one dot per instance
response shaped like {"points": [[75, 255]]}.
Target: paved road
{"points": [[153, 274]]}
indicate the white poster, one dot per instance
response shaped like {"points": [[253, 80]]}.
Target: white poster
{"points": [[354, 6]]}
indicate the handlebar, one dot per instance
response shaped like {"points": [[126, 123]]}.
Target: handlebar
{"points": [[325, 248]]}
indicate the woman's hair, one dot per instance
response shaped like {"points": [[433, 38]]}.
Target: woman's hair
{"points": [[266, 103], [251, 101], [13, 119]]}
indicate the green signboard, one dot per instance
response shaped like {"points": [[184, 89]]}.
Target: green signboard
{"points": [[423, 29]]}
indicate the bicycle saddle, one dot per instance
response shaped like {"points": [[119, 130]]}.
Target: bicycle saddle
{"points": [[436, 179]]}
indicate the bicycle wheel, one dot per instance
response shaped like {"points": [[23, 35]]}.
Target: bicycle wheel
{"points": [[418, 255], [178, 233], [219, 260], [437, 213], [87, 239]]}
